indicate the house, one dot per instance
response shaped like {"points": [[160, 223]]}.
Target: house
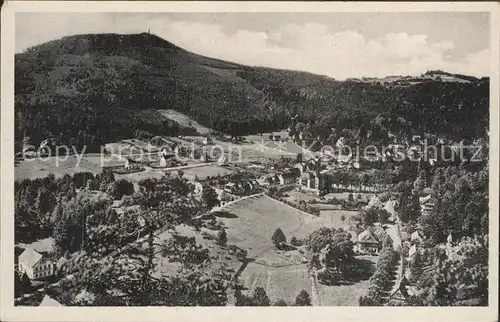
{"points": [[223, 161], [301, 166], [62, 265], [426, 204], [208, 140], [340, 143], [34, 264], [224, 197], [416, 138], [344, 160], [231, 187], [314, 181], [412, 251], [48, 301], [367, 243], [287, 178], [309, 180], [198, 188]]}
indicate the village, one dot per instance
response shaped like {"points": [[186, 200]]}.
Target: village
{"points": [[263, 184]]}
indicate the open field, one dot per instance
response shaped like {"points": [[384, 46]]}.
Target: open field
{"points": [[256, 150], [204, 172], [333, 218], [259, 216], [342, 295], [184, 120], [37, 168]]}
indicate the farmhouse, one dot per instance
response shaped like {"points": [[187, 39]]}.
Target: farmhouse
{"points": [[367, 243], [34, 264]]}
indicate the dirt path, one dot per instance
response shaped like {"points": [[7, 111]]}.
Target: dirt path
{"points": [[315, 297]]}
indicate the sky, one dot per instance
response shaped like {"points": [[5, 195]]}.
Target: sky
{"points": [[339, 45]]}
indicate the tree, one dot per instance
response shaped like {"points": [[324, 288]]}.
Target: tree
{"points": [[26, 287], [209, 197], [260, 297], [350, 198], [303, 299], [222, 237], [278, 238], [383, 216], [369, 216], [120, 188], [17, 285], [342, 218]]}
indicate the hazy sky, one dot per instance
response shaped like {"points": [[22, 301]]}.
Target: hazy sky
{"points": [[339, 45]]}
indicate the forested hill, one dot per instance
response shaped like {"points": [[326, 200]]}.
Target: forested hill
{"points": [[104, 87]]}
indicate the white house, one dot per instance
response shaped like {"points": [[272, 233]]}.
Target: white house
{"points": [[35, 265], [426, 205], [198, 188], [208, 140]]}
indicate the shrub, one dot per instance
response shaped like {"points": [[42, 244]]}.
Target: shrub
{"points": [[296, 242], [280, 302], [303, 299]]}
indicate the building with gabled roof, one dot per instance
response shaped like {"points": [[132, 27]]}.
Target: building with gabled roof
{"points": [[367, 243], [48, 301], [34, 264]]}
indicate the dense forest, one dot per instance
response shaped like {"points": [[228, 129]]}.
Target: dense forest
{"points": [[97, 88]]}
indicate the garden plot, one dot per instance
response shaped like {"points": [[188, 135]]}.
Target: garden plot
{"points": [[279, 283]]}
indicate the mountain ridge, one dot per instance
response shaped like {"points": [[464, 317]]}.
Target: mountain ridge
{"points": [[93, 76]]}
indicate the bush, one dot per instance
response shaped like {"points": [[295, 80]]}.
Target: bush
{"points": [[303, 299], [296, 242], [120, 188], [280, 302]]}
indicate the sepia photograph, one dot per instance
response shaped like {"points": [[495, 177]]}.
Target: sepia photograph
{"points": [[265, 158]]}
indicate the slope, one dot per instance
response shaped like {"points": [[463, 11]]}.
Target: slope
{"points": [[100, 87]]}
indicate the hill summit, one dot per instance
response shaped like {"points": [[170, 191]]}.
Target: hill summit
{"points": [[95, 88]]}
